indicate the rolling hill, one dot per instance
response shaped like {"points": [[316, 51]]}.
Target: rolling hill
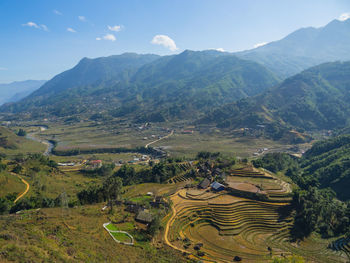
{"points": [[304, 48], [315, 99]]}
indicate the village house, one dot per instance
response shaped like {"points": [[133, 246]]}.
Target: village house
{"points": [[144, 217], [95, 163], [204, 184], [217, 187], [133, 207]]}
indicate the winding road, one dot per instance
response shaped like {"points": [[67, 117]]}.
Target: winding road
{"points": [[25, 191], [148, 144]]}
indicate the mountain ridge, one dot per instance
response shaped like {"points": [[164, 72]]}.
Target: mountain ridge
{"points": [[17, 90], [165, 88], [304, 48]]}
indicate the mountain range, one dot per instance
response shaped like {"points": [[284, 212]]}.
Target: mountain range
{"points": [[15, 91], [303, 49], [230, 90], [148, 87]]}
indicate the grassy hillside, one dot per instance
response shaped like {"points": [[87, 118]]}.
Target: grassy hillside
{"points": [[74, 235], [11, 144]]}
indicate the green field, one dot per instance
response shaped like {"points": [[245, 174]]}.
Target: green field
{"points": [[92, 135], [10, 184], [122, 237], [190, 144], [89, 135], [13, 145]]}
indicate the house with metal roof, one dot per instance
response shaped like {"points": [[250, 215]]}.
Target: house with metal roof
{"points": [[217, 186]]}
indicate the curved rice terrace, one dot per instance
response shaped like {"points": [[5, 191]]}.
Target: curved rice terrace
{"points": [[225, 225]]}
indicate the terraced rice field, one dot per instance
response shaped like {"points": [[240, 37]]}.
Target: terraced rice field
{"points": [[183, 175], [229, 226]]}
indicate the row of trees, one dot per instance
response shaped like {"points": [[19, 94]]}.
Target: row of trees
{"points": [[35, 201], [111, 189]]}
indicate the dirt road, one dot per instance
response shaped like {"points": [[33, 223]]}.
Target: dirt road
{"points": [[25, 191], [148, 144]]}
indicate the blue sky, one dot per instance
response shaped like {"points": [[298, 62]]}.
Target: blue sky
{"points": [[41, 38]]}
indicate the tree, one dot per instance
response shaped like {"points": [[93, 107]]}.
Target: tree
{"points": [[290, 259], [154, 226], [17, 169], [4, 206], [112, 188], [21, 132]]}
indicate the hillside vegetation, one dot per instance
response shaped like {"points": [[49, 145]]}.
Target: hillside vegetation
{"points": [[11, 144], [74, 235], [315, 99], [322, 177]]}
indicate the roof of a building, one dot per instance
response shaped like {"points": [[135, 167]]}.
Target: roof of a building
{"points": [[95, 161], [144, 217], [217, 186], [205, 183]]}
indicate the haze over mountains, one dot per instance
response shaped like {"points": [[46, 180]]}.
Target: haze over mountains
{"points": [[304, 48], [18, 90], [206, 85]]}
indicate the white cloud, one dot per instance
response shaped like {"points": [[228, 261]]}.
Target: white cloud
{"points": [[260, 44], [344, 17], [82, 18], [69, 29], [220, 49], [57, 12], [164, 41], [31, 24], [35, 25], [44, 27], [109, 37], [2, 68], [115, 28]]}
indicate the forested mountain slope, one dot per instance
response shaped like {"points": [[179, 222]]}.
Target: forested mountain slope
{"points": [[317, 98], [171, 87]]}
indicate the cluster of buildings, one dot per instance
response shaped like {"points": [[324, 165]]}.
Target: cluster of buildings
{"points": [[212, 176], [260, 151]]}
